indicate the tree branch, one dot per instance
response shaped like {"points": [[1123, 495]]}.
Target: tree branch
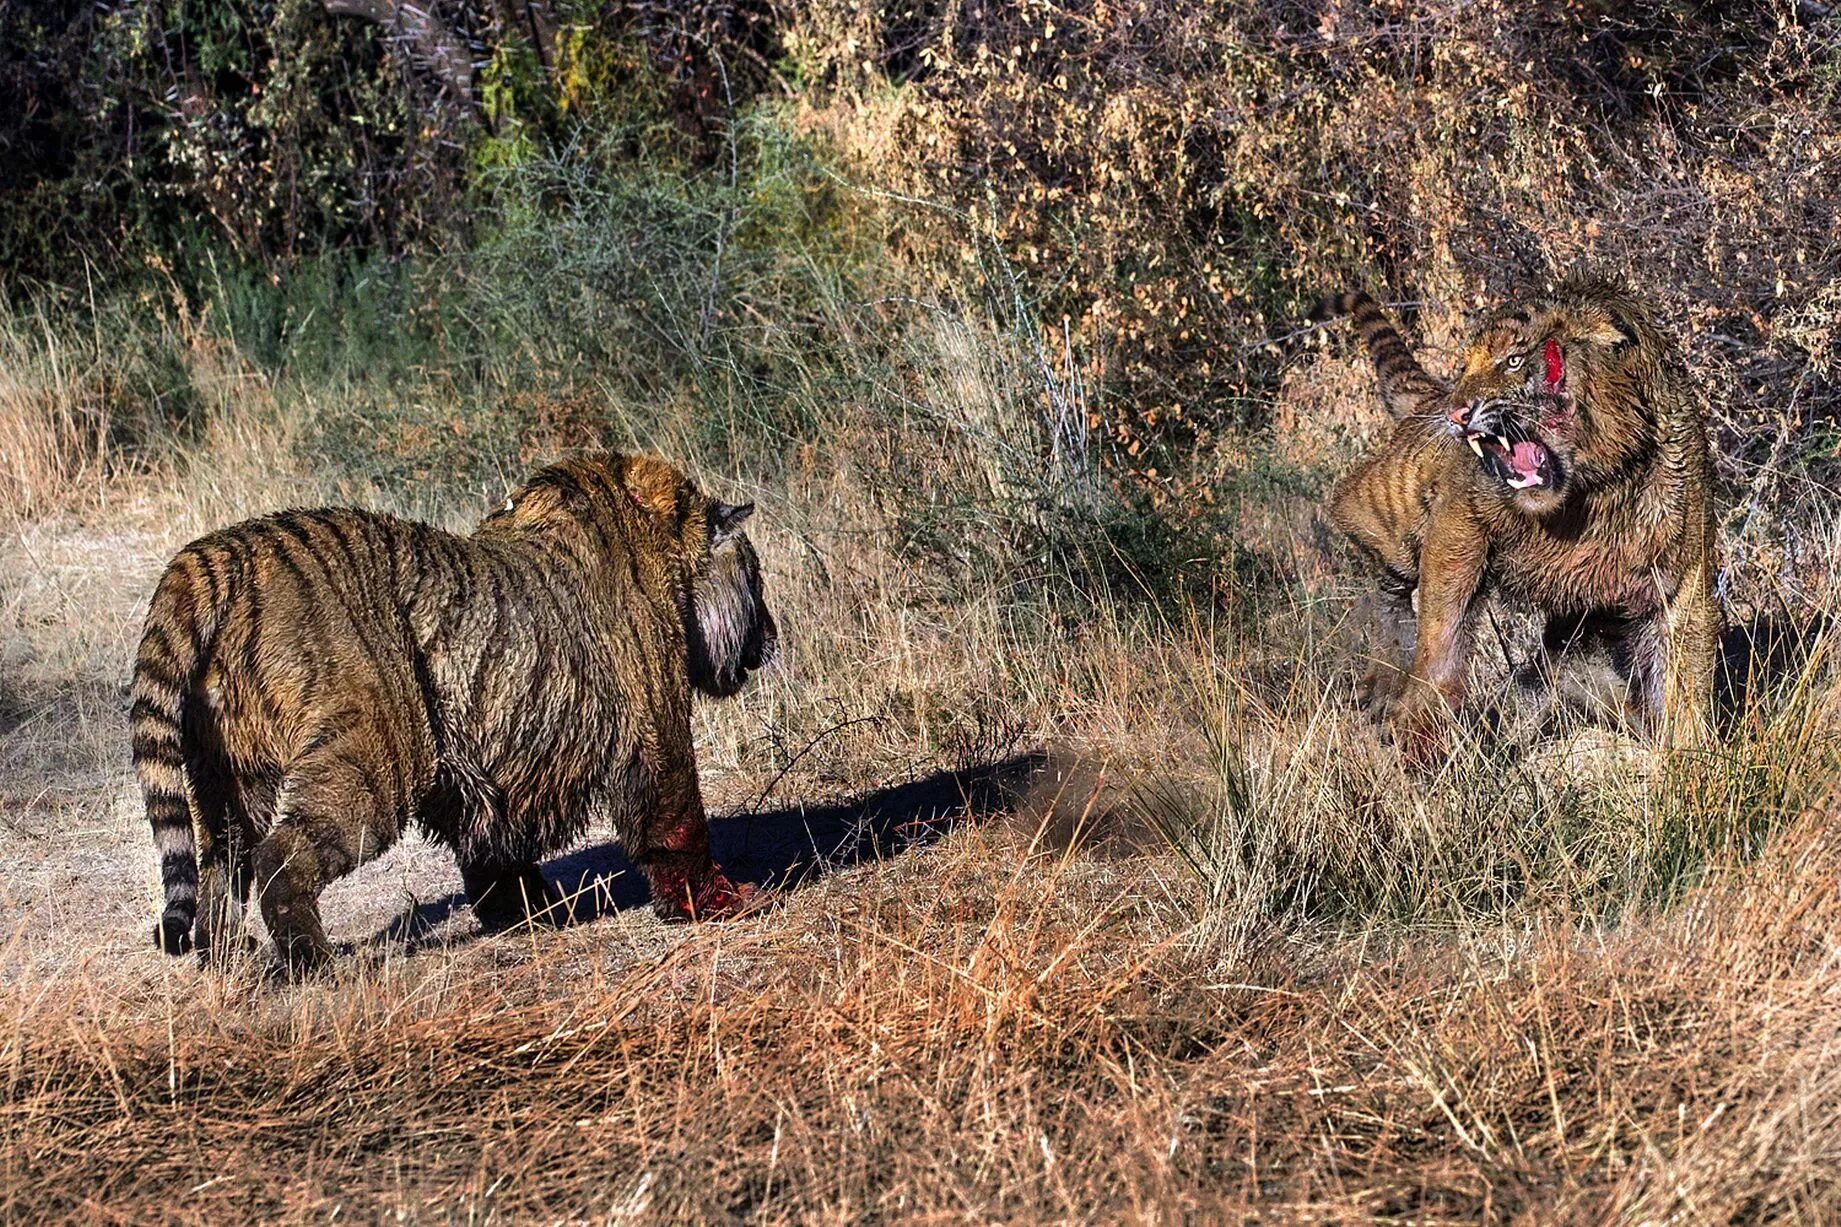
{"points": [[543, 32], [432, 46]]}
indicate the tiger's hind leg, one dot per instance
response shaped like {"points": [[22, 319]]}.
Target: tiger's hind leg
{"points": [[226, 834], [342, 804], [1535, 698]]}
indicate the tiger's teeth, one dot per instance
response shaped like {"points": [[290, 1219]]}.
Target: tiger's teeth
{"points": [[1503, 441], [1476, 445]]}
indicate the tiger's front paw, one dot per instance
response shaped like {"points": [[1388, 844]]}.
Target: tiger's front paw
{"points": [[1420, 724], [300, 957], [709, 896], [512, 897]]}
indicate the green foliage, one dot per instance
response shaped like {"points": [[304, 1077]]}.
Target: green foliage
{"points": [[281, 130], [1176, 181], [263, 125]]}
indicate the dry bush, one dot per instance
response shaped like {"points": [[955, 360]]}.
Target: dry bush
{"points": [[1182, 180], [82, 408]]}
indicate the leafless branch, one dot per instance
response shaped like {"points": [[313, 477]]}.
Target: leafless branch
{"points": [[432, 46]]}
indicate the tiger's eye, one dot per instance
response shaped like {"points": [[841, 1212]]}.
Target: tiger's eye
{"points": [[1514, 362]]}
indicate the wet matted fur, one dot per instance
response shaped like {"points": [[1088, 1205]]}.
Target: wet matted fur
{"points": [[1568, 466], [311, 682]]}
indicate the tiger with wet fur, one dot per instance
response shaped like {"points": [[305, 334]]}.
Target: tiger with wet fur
{"points": [[1568, 466], [310, 683]]}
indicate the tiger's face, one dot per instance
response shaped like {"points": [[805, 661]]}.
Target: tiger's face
{"points": [[1548, 404], [731, 632], [728, 630]]}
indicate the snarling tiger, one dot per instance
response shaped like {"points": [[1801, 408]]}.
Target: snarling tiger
{"points": [[1568, 466]]}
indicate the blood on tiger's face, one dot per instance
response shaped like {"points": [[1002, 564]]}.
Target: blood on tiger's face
{"points": [[1525, 405]]}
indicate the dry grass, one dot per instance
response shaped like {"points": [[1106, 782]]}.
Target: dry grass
{"points": [[994, 1036], [53, 434]]}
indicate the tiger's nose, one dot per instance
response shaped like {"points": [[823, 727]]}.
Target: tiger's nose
{"points": [[1459, 415]]}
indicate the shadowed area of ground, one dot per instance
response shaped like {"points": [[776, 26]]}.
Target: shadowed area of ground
{"points": [[1760, 655], [779, 849]]}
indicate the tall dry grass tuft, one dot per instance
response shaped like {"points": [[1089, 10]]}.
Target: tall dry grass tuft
{"points": [[54, 425], [82, 408], [1301, 812]]}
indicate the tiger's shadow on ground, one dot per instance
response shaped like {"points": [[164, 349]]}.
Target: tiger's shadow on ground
{"points": [[1758, 661], [780, 849], [1761, 655]]}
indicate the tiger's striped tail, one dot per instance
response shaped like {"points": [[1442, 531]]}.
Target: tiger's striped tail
{"points": [[181, 624], [1406, 388]]}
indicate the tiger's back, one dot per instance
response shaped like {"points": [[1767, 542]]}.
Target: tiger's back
{"points": [[262, 641]]}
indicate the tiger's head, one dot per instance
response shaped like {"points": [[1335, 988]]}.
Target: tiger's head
{"points": [[731, 633], [1552, 398], [729, 630]]}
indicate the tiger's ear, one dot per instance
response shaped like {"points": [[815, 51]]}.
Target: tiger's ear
{"points": [[726, 519], [656, 487], [1607, 328], [544, 497], [1626, 331]]}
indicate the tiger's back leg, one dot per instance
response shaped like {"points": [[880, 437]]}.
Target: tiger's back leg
{"points": [[224, 879], [341, 804], [230, 812], [224, 875]]}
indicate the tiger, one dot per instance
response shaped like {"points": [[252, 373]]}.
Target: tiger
{"points": [[311, 682], [1567, 466]]}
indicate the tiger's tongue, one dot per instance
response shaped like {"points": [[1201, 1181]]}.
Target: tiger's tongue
{"points": [[1526, 457]]}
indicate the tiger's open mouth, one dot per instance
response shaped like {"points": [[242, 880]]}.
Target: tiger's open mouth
{"points": [[1520, 464]]}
